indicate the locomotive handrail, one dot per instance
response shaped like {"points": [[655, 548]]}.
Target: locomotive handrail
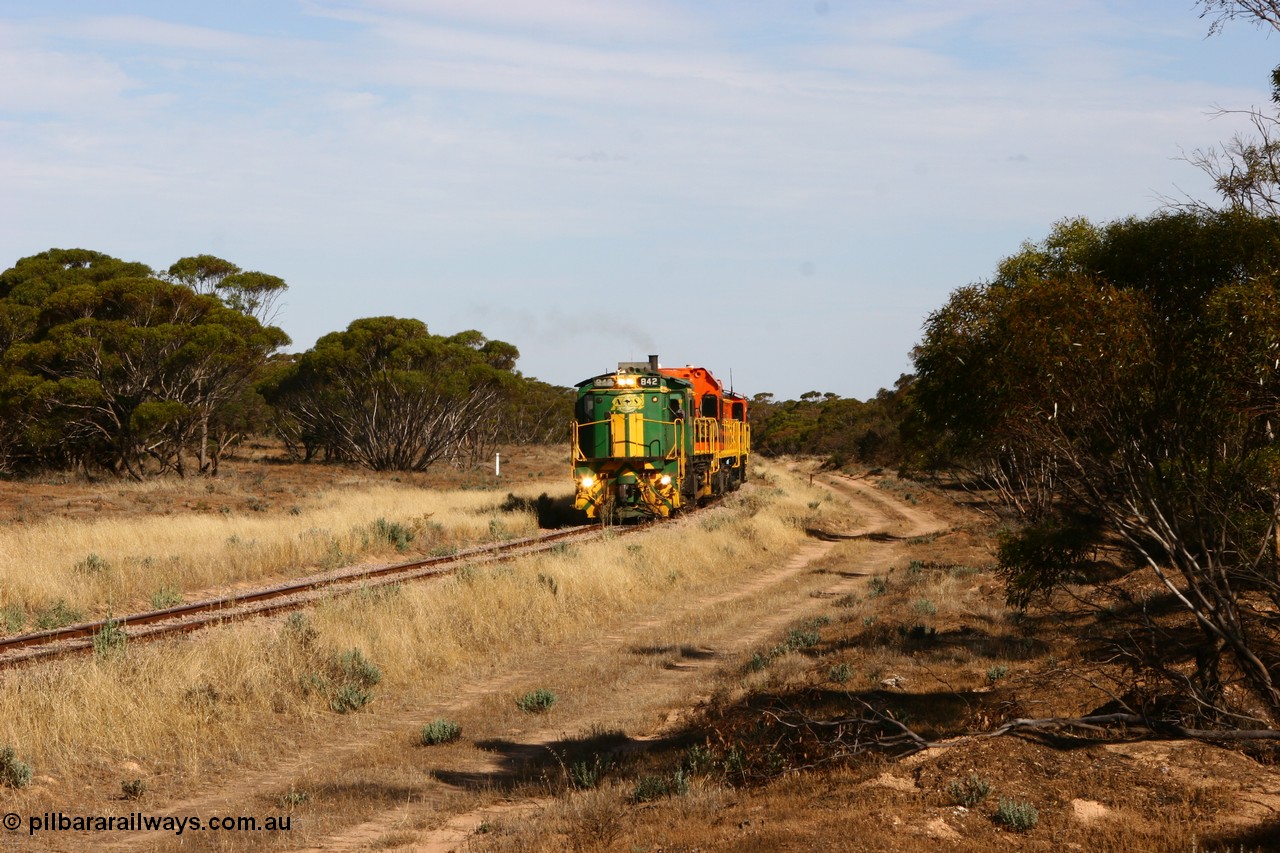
{"points": [[706, 435], [677, 442], [677, 446], [737, 438]]}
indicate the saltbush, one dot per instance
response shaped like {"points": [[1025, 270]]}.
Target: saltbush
{"points": [[440, 731], [536, 701], [14, 772], [1018, 815]]}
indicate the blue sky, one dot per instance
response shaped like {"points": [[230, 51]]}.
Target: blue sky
{"points": [[784, 189]]}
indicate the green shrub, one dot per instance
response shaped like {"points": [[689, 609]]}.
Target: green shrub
{"points": [[14, 772], [348, 681], [698, 759], [440, 731], [970, 792], [298, 629], [165, 597], [650, 788], [877, 587], [587, 774], [133, 789], [1039, 557], [536, 701], [392, 533], [357, 669], [840, 673], [110, 640], [57, 615], [996, 673], [350, 697], [12, 618], [801, 638], [92, 565], [1018, 815], [926, 607], [293, 797], [735, 764]]}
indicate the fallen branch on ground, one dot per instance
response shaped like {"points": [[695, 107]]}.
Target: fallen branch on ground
{"points": [[851, 735]]}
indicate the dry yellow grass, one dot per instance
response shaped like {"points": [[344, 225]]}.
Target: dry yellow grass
{"points": [[243, 694], [119, 564]]}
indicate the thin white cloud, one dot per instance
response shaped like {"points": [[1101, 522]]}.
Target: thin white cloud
{"points": [[143, 31], [428, 157], [619, 20], [53, 82]]}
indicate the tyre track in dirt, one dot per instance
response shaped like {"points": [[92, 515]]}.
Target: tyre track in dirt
{"points": [[666, 694], [890, 515], [881, 515]]}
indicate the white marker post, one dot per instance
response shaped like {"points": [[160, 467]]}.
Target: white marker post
{"points": [[497, 464]]}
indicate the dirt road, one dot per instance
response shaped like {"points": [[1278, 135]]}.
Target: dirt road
{"points": [[640, 678]]}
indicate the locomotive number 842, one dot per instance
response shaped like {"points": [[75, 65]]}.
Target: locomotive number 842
{"points": [[650, 440]]}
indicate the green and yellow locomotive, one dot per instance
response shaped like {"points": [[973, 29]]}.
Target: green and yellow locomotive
{"points": [[650, 440]]}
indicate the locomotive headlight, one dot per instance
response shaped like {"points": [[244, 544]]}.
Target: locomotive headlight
{"points": [[665, 479], [588, 481]]}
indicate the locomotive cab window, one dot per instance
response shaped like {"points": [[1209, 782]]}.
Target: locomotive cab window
{"points": [[710, 409], [588, 407], [737, 411]]}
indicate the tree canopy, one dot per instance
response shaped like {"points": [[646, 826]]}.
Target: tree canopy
{"points": [[387, 394], [102, 363], [1130, 374], [844, 430]]}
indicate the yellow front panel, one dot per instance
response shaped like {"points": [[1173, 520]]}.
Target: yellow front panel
{"points": [[626, 434]]}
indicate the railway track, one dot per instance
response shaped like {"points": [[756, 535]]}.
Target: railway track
{"points": [[265, 601]]}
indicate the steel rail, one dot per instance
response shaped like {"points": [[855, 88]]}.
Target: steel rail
{"points": [[265, 601]]}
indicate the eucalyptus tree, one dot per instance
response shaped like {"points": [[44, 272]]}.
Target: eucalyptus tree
{"points": [[252, 293], [1134, 380], [105, 364], [389, 395]]}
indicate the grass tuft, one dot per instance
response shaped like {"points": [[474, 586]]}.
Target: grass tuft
{"points": [[653, 787], [294, 798], [165, 597], [57, 615], [585, 775], [392, 533], [969, 792], [92, 565], [536, 701], [110, 640]]}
